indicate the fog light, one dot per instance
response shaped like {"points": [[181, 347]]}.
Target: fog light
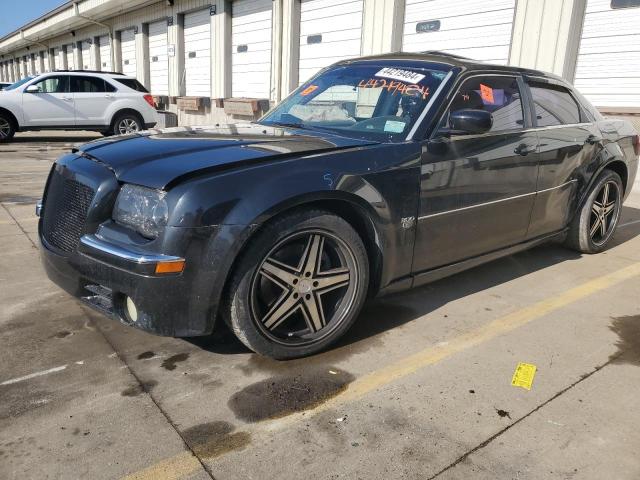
{"points": [[132, 311]]}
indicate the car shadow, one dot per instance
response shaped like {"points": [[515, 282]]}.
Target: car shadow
{"points": [[386, 313]]}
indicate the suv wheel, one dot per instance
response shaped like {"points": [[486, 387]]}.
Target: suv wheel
{"points": [[7, 128], [127, 123], [299, 286], [595, 224]]}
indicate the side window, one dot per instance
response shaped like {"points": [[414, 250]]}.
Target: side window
{"points": [[108, 87], [53, 85], [499, 96], [87, 85], [554, 105]]}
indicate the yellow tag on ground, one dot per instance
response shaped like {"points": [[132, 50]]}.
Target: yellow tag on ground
{"points": [[523, 376]]}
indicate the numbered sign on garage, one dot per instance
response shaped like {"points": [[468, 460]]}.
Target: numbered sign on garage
{"points": [[330, 30], [476, 29], [104, 50], [197, 53], [158, 59], [128, 48], [608, 68], [251, 48]]}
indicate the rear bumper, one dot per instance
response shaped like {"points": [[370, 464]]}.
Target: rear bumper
{"points": [[103, 275]]}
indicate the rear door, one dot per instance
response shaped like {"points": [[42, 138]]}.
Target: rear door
{"points": [[52, 105], [568, 141], [93, 97], [477, 191]]}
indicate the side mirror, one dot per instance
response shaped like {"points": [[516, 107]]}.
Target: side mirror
{"points": [[32, 89], [470, 121]]}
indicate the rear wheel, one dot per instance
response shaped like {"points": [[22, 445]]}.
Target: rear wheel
{"points": [[127, 123], [7, 128], [299, 286], [595, 224]]}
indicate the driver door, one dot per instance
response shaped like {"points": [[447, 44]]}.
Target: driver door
{"points": [[51, 106], [477, 190]]}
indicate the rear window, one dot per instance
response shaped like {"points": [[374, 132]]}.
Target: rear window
{"points": [[554, 105], [132, 83]]}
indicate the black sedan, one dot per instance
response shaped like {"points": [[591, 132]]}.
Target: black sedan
{"points": [[377, 175]]}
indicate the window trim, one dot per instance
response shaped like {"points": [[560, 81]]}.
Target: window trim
{"points": [[622, 8], [524, 98]]}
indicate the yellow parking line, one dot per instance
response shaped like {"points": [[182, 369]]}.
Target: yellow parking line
{"points": [[185, 463]]}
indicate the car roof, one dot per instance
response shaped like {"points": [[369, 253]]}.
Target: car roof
{"points": [[464, 63]]}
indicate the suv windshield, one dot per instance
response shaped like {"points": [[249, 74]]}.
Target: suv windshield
{"points": [[371, 101], [19, 82]]}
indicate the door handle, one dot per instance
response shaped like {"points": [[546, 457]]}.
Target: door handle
{"points": [[593, 139], [67, 99], [108, 95], [524, 149]]}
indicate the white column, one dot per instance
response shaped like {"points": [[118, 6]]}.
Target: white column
{"points": [[142, 55], [221, 50], [382, 26]]}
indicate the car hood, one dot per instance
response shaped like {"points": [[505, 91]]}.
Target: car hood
{"points": [[157, 158]]}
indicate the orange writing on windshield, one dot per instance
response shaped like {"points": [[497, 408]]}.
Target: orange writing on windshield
{"points": [[395, 86]]}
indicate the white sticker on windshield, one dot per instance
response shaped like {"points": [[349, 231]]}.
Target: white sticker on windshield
{"points": [[399, 74], [393, 126]]}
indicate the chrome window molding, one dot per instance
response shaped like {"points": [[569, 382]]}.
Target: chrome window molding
{"points": [[493, 202]]}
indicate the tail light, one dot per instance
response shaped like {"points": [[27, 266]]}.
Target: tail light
{"points": [[636, 145], [149, 99]]}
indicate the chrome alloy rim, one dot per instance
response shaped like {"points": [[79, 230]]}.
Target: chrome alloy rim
{"points": [[128, 125], [5, 128], [604, 213], [304, 288]]}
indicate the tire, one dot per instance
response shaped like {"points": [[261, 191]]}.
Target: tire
{"points": [[126, 123], [587, 232], [281, 303], [7, 128]]}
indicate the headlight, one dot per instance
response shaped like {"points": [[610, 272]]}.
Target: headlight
{"points": [[143, 209]]}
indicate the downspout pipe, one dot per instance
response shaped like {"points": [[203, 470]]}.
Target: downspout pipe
{"points": [[109, 28]]}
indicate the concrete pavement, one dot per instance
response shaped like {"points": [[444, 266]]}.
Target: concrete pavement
{"points": [[420, 388]]}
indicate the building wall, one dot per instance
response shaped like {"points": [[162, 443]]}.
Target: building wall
{"points": [[545, 35]]}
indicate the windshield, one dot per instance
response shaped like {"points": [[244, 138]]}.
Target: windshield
{"points": [[19, 82], [371, 101]]}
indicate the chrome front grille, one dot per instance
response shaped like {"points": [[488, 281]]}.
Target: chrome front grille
{"points": [[65, 211]]}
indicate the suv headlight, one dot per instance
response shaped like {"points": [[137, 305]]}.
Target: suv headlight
{"points": [[143, 209]]}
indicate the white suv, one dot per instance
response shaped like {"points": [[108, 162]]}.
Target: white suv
{"points": [[110, 103]]}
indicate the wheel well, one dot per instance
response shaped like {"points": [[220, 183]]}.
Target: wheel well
{"points": [[620, 168], [353, 214], [11, 116], [130, 111]]}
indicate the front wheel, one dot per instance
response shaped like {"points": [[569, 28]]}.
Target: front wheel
{"points": [[7, 128], [299, 285], [596, 222]]}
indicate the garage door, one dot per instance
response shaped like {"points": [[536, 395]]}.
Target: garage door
{"points": [[197, 47], [105, 53], [608, 68], [59, 54], [251, 48], [330, 30], [85, 48], [158, 58], [474, 28], [46, 60], [71, 62], [128, 48]]}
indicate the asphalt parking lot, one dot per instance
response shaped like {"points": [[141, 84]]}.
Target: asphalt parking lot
{"points": [[419, 389]]}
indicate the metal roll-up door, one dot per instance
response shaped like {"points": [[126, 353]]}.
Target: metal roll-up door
{"points": [[251, 26], [71, 61], [59, 55], [46, 61], [330, 30], [474, 28], [128, 49], [158, 58], [197, 57], [85, 50], [104, 49], [608, 65]]}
